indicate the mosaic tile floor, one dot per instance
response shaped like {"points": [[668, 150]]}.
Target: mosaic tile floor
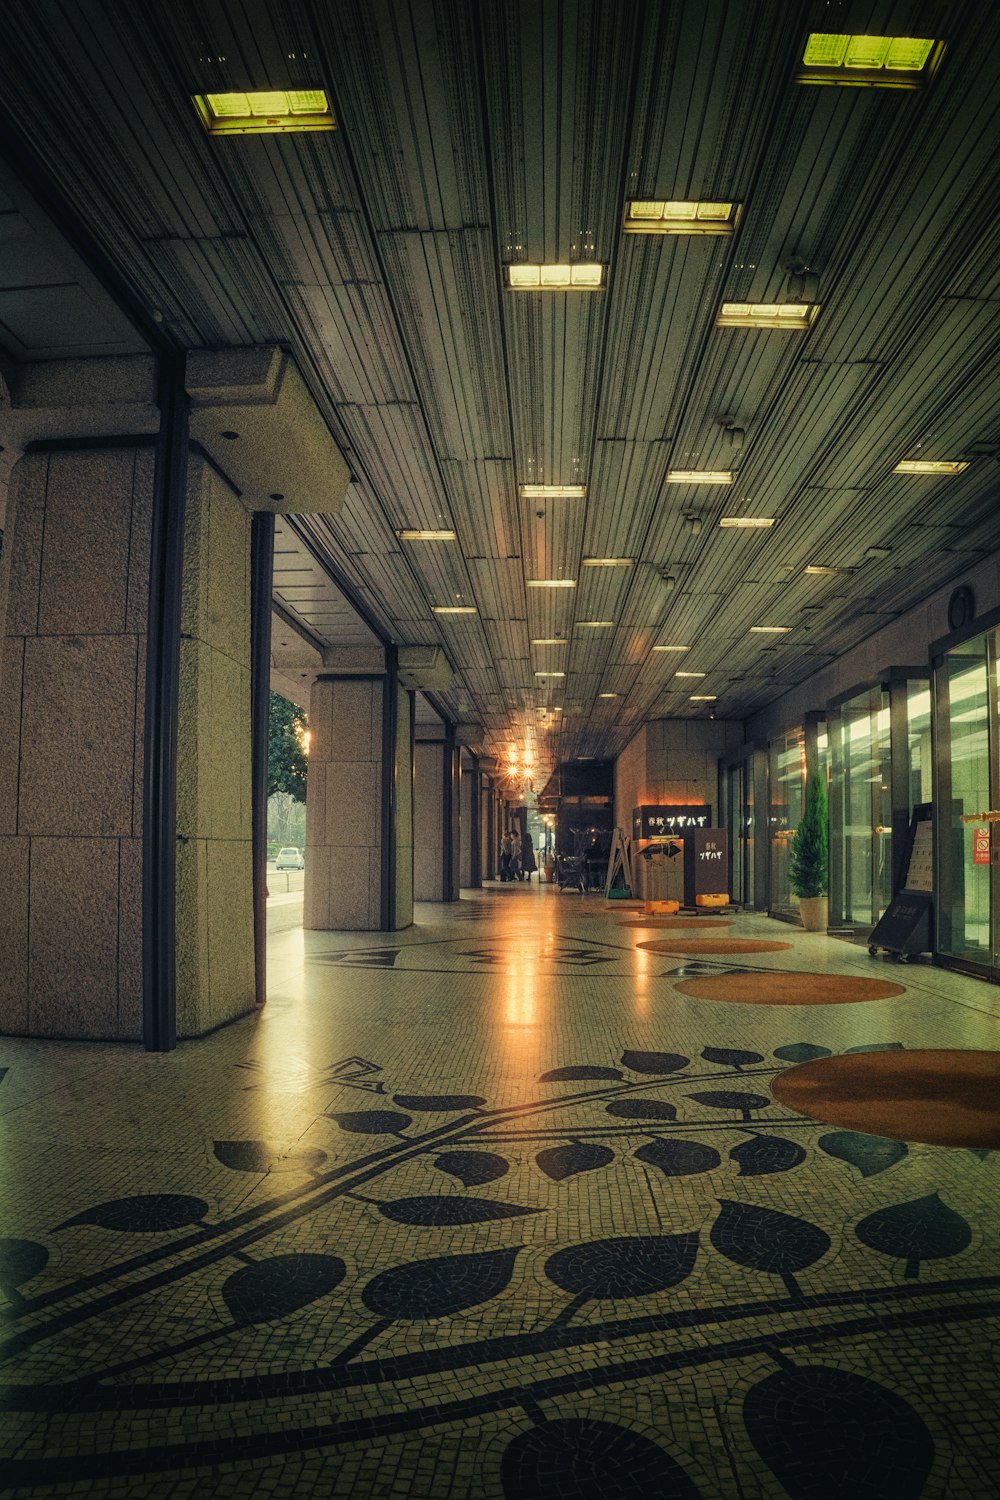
{"points": [[493, 1208]]}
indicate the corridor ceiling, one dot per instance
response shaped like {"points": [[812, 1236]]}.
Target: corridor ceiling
{"points": [[475, 134]]}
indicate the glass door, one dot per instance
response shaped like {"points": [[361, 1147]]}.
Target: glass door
{"points": [[966, 816], [739, 791], [861, 810]]}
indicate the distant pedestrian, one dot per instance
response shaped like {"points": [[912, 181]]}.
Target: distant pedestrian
{"points": [[528, 862], [515, 855], [506, 851]]}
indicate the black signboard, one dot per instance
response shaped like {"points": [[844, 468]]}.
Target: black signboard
{"points": [[905, 925], [706, 864], [669, 819]]}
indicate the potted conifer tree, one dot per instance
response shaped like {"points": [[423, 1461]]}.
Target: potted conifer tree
{"points": [[809, 864]]}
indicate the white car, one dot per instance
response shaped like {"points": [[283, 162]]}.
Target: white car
{"points": [[290, 859]]}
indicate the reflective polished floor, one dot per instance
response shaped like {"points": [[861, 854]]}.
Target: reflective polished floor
{"points": [[536, 1198]]}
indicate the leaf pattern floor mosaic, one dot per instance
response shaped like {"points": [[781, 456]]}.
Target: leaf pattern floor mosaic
{"points": [[505, 1217]]}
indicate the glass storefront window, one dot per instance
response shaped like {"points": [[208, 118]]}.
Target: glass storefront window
{"points": [[918, 742], [861, 803], [965, 705], [786, 778]]}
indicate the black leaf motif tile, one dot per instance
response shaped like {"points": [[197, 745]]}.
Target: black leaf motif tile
{"points": [[731, 1057], [642, 1109], [19, 1261], [922, 1229], [580, 1073], [677, 1158], [560, 1162], [453, 1209], [258, 1156], [147, 1213], [633, 1266], [797, 1052], [766, 1240], [440, 1286], [440, 1102], [763, 1154], [871, 1154], [473, 1168], [371, 1121], [280, 1285], [827, 1434], [654, 1062], [578, 1459]]}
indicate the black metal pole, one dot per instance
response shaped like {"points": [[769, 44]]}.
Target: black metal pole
{"points": [[261, 574], [159, 793]]}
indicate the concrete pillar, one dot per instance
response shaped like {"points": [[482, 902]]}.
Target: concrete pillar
{"points": [[471, 824], [215, 941], [430, 862], [75, 583], [359, 805]]}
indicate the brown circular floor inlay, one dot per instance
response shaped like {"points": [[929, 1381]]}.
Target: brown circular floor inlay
{"points": [[714, 945], [945, 1098], [788, 988], [699, 924]]}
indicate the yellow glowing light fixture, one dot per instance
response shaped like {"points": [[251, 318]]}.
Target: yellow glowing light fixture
{"points": [[657, 216], [747, 523], [553, 491], [551, 583], [700, 476], [928, 466], [454, 609], [703, 697], [550, 674], [584, 276], [426, 536], [861, 61], [689, 674], [595, 624], [550, 640], [608, 562], [769, 629], [671, 648], [792, 316], [608, 695], [266, 112]]}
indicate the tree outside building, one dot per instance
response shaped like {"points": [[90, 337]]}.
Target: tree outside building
{"points": [[287, 769]]}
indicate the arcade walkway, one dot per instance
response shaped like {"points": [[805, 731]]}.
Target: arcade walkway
{"points": [[504, 1206]]}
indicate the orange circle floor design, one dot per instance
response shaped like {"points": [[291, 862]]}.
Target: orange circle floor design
{"points": [[691, 924], [787, 988], [942, 1097], [714, 945]]}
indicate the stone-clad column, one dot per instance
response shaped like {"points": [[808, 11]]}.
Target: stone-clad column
{"points": [[75, 583], [356, 743]]}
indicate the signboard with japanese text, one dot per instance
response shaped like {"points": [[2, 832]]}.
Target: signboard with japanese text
{"points": [[706, 864], [669, 819]]}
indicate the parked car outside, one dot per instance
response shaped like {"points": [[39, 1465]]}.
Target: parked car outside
{"points": [[290, 859]]}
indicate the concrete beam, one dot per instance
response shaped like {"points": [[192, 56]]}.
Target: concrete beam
{"points": [[425, 668]]}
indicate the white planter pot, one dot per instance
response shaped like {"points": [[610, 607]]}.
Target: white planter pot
{"points": [[814, 911]]}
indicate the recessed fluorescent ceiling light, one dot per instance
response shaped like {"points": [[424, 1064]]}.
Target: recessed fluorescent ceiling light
{"points": [[584, 276], [700, 476], [657, 216], [426, 536], [552, 583], [607, 695], [550, 640], [770, 629], [820, 570], [703, 697], [869, 61], [553, 491], [594, 624], [550, 674], [749, 523], [689, 674], [671, 648], [268, 112], [454, 609], [928, 466], [789, 315], [608, 562]]}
